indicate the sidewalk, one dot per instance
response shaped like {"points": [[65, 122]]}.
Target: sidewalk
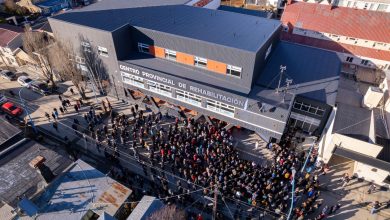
{"points": [[353, 197]]}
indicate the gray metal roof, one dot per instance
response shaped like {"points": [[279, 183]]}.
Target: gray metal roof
{"points": [[213, 26], [353, 121], [7, 130], [145, 207], [372, 161], [17, 178], [121, 4], [315, 72], [258, 13], [78, 190]]}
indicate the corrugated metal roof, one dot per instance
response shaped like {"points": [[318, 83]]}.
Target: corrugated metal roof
{"points": [[364, 24], [8, 33], [352, 121], [220, 27], [145, 207], [336, 46], [80, 189], [314, 71], [258, 13], [121, 4]]}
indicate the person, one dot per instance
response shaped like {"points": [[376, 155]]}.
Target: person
{"points": [[11, 93], [371, 189], [375, 207], [55, 126], [47, 116], [345, 179], [257, 145], [60, 97], [76, 107], [54, 116], [55, 112], [61, 110], [71, 91]]}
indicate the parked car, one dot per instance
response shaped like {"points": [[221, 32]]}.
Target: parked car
{"points": [[11, 108], [2, 99], [40, 87], [25, 81], [6, 74]]}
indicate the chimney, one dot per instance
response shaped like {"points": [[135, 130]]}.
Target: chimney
{"points": [[289, 2], [38, 163]]}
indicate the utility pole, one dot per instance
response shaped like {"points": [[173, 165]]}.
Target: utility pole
{"points": [[282, 69], [215, 202]]}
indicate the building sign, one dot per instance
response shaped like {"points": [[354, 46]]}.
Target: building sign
{"points": [[185, 85]]}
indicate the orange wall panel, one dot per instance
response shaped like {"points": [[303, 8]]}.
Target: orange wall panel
{"points": [[157, 51], [184, 58], [216, 66]]}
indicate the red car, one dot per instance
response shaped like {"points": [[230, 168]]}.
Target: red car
{"points": [[11, 109]]}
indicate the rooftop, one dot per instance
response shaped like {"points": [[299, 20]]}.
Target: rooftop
{"points": [[219, 27], [337, 46], [363, 24], [314, 72], [7, 130], [122, 4], [17, 178], [78, 190], [145, 207], [258, 13], [8, 33]]}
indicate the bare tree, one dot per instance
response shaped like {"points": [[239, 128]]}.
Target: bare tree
{"points": [[94, 64], [37, 45], [63, 59], [168, 212]]}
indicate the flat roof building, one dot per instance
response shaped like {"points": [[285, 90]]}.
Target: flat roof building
{"points": [[217, 63]]}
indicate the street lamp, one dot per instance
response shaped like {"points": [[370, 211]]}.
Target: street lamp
{"points": [[24, 106]]}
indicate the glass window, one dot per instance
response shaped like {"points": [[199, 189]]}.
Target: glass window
{"points": [[86, 46], [143, 48], [233, 70], [219, 107], [160, 88], [170, 54], [382, 7], [200, 62], [133, 80], [102, 51], [189, 98]]}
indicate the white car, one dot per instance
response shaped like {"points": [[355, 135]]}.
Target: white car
{"points": [[24, 81]]}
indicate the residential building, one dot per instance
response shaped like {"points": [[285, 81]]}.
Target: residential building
{"points": [[360, 37], [86, 193], [10, 43], [371, 5]]}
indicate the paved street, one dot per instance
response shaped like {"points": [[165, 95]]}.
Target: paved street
{"points": [[353, 198]]}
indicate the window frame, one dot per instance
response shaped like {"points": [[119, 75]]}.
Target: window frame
{"points": [[198, 60], [102, 51], [170, 54], [143, 48], [230, 69]]}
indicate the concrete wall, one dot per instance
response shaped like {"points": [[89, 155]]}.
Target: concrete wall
{"points": [[325, 147], [371, 174], [71, 33]]}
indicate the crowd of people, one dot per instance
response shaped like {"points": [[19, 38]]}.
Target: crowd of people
{"points": [[204, 155]]}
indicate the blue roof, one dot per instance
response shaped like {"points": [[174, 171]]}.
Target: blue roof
{"points": [[219, 27], [263, 14], [315, 72]]}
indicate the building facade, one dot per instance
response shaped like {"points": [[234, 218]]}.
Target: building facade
{"points": [[205, 60]]}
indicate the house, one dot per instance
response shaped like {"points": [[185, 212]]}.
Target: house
{"points": [[10, 43], [360, 37]]}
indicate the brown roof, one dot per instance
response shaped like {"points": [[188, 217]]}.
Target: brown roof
{"points": [[350, 22], [8, 33], [338, 47]]}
